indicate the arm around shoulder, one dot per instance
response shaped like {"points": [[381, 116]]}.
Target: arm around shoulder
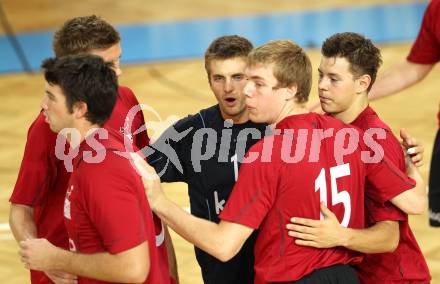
{"points": [[415, 200], [21, 221]]}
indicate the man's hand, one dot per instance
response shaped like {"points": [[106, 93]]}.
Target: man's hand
{"points": [[59, 277], [413, 148], [150, 180], [325, 233], [38, 254]]}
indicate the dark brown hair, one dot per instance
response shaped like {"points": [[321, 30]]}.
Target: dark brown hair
{"points": [[364, 57], [227, 47], [84, 78], [82, 34]]}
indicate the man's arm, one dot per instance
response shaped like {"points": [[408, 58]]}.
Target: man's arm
{"points": [[413, 148], [412, 198], [400, 76], [380, 238], [395, 79], [22, 222], [383, 236], [171, 254], [130, 266], [23, 228], [223, 240], [32, 179], [413, 201]]}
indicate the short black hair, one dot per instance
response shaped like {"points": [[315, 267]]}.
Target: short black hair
{"points": [[84, 78]]}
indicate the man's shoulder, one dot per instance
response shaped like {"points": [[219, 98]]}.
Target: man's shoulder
{"points": [[205, 118], [125, 91], [107, 148], [328, 122], [126, 95], [372, 122], [109, 170], [370, 119]]}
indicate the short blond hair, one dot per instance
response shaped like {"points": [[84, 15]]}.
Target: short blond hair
{"points": [[291, 65]]}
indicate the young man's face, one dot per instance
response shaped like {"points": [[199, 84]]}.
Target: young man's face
{"points": [[111, 54], [227, 81], [55, 108], [336, 85], [262, 99]]}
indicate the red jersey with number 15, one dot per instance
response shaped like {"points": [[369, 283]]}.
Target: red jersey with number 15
{"points": [[306, 167]]}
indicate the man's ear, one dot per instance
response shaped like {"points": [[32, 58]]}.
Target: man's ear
{"points": [[291, 92], [362, 83], [80, 109]]}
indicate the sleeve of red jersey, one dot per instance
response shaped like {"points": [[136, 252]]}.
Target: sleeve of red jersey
{"points": [[141, 139], [254, 192], [426, 48], [386, 181], [393, 150], [377, 212], [116, 210], [33, 177]]}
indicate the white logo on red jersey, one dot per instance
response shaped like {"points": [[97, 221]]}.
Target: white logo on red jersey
{"points": [[67, 203], [72, 246], [125, 130]]}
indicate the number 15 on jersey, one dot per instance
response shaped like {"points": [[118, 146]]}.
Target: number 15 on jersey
{"points": [[337, 195]]}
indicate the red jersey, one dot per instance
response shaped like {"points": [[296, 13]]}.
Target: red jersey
{"points": [[42, 179], [426, 48], [406, 264], [120, 120], [268, 193], [41, 184], [106, 209], [125, 102]]}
